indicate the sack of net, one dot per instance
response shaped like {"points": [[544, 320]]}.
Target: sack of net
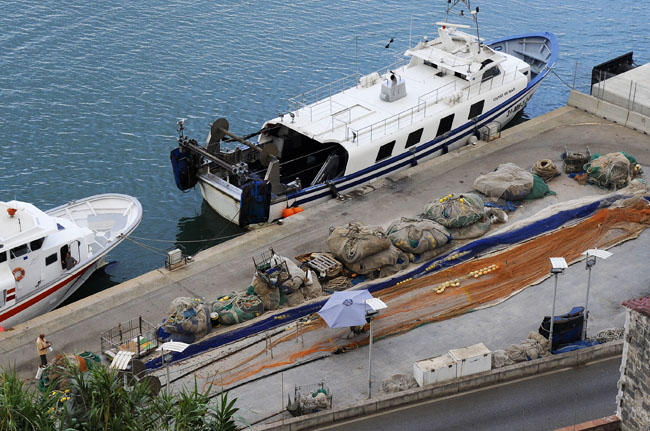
{"points": [[418, 237], [613, 170], [366, 249], [508, 181], [187, 316]]}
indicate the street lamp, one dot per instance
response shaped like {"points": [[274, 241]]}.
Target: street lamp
{"points": [[171, 346], [373, 306], [591, 254], [558, 265]]}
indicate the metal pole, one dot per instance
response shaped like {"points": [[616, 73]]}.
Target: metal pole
{"points": [[167, 363], [550, 336], [356, 58], [586, 313], [370, 363]]}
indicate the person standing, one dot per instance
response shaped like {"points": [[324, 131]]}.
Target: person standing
{"points": [[41, 346]]}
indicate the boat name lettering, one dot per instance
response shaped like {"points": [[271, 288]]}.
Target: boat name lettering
{"points": [[500, 96], [519, 105]]}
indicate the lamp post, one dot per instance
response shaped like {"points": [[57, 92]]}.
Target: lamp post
{"points": [[558, 265], [372, 308], [591, 254], [171, 346]]}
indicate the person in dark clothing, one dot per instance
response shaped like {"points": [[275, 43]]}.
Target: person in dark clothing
{"points": [[69, 261]]}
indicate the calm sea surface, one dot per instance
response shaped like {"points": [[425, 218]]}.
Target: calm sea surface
{"points": [[90, 92]]}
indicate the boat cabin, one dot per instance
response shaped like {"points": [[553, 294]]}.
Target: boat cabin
{"points": [[33, 249]]}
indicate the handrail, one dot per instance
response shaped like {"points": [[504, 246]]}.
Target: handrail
{"points": [[318, 94], [419, 111]]}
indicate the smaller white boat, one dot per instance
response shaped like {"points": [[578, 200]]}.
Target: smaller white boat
{"points": [[36, 273]]}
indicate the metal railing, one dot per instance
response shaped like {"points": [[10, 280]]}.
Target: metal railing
{"points": [[599, 92], [136, 335], [419, 112], [311, 99]]}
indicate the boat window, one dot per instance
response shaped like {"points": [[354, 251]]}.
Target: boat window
{"points": [[64, 253], [428, 63], [491, 73], [3, 256], [19, 251], [36, 244], [49, 260], [476, 109], [385, 151], [445, 125], [414, 138], [459, 75]]}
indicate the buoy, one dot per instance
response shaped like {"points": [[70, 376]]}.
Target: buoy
{"points": [[287, 212], [297, 209], [2, 329]]}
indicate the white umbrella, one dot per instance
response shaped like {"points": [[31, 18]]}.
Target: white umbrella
{"points": [[347, 308], [353, 308]]}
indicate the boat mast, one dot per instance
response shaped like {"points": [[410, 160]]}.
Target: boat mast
{"points": [[473, 13]]}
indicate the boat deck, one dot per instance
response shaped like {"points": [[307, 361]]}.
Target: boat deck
{"points": [[359, 108]]}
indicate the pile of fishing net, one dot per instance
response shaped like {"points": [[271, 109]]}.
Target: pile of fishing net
{"points": [[317, 401], [189, 317], [512, 183], [59, 369], [611, 334], [462, 215], [533, 347], [508, 181], [613, 170], [545, 169], [398, 383], [237, 308], [366, 250], [421, 239], [281, 282]]}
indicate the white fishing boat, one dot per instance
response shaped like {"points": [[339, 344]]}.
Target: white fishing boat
{"points": [[445, 92], [36, 273]]}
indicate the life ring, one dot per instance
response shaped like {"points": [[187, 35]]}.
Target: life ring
{"points": [[16, 271]]}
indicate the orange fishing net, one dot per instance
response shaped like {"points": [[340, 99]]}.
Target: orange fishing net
{"points": [[444, 294]]}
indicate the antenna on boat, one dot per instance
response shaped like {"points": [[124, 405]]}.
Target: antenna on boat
{"points": [[180, 127], [473, 13], [356, 56], [410, 30]]}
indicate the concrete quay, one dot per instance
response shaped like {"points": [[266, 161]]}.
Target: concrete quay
{"points": [[228, 267]]}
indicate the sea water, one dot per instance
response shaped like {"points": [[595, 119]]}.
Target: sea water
{"points": [[90, 92]]}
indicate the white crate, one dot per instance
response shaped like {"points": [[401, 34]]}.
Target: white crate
{"points": [[434, 370], [472, 359]]}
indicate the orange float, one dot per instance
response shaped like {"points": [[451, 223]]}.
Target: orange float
{"points": [[19, 273]]}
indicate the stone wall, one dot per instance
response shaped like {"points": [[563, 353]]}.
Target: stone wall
{"points": [[633, 398]]}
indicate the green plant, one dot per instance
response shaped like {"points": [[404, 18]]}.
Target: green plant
{"points": [[98, 400]]}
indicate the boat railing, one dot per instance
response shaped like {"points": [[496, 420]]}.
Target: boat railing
{"points": [[451, 92], [309, 100]]}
